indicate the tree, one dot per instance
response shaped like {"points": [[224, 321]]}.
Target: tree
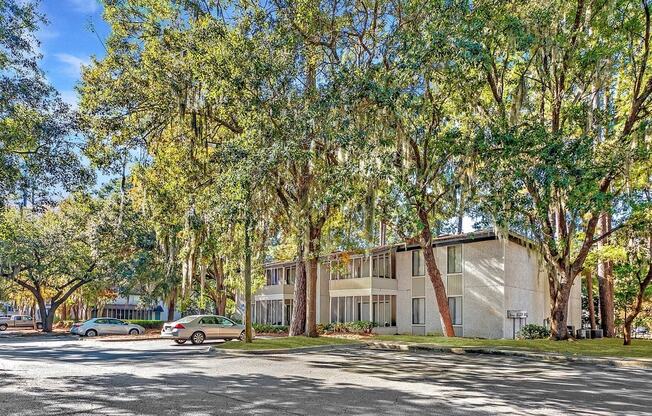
{"points": [[414, 90], [38, 150], [54, 253], [547, 173]]}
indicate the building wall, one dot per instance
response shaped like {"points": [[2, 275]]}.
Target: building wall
{"points": [[484, 289], [497, 275], [526, 287], [323, 295]]}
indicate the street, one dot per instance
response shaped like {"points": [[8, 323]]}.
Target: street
{"points": [[59, 376]]}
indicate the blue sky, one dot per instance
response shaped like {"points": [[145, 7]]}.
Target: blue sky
{"points": [[67, 42]]}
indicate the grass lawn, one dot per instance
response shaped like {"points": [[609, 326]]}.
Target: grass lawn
{"points": [[640, 348], [284, 342]]}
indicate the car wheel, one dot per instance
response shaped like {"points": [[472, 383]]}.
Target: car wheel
{"points": [[3, 327], [197, 338], [91, 333], [180, 341], [242, 336], [39, 326], [134, 331]]}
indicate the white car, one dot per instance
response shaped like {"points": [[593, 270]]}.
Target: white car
{"points": [[198, 328], [106, 326]]}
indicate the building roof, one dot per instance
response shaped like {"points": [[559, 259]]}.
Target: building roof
{"points": [[442, 240]]}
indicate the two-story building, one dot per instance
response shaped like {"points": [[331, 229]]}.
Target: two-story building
{"points": [[489, 282]]}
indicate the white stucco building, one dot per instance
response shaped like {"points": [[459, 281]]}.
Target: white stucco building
{"points": [[485, 277]]}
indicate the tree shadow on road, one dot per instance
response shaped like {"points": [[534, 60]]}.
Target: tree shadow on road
{"points": [[570, 388], [199, 394]]}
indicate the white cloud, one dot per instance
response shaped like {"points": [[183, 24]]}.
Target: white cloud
{"points": [[84, 6], [70, 97], [72, 63]]}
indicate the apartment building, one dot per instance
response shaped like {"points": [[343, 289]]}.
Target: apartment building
{"points": [[494, 286]]}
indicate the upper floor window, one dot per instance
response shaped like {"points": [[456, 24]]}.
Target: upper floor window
{"points": [[418, 264], [454, 259], [381, 265]]}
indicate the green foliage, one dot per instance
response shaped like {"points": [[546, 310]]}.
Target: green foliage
{"points": [[356, 327], [270, 329], [533, 331], [147, 324]]}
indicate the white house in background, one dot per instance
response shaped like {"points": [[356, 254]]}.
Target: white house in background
{"points": [[130, 308], [494, 287]]}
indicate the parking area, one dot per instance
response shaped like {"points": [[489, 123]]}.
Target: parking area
{"points": [[65, 375]]}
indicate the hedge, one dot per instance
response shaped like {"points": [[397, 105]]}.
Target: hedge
{"points": [[356, 327], [270, 329], [533, 331], [147, 324]]}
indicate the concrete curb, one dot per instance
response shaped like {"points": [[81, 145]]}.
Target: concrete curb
{"points": [[126, 338], [540, 356], [283, 351]]}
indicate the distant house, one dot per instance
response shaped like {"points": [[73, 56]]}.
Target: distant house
{"points": [[494, 286], [130, 308]]}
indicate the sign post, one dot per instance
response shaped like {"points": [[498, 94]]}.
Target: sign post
{"points": [[515, 314]]}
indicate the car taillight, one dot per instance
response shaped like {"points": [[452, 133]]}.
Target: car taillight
{"points": [[76, 324], [179, 326]]}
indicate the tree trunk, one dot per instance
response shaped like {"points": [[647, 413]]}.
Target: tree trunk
{"points": [[559, 297], [314, 236], [172, 305], [589, 298], [298, 324], [627, 332], [638, 305], [34, 315], [247, 279], [606, 287], [435, 276]]}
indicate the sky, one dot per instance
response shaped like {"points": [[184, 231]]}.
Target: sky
{"points": [[68, 42]]}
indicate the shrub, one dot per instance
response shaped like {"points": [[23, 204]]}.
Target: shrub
{"points": [[270, 329], [356, 327], [64, 324], [533, 331], [147, 324]]}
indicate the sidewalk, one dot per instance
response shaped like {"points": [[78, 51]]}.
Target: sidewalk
{"points": [[534, 355]]}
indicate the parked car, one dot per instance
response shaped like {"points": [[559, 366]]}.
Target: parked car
{"points": [[18, 321], [105, 326], [641, 330], [198, 328]]}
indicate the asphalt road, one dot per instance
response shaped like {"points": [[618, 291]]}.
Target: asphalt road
{"points": [[54, 376]]}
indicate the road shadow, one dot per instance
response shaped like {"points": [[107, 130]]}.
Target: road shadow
{"points": [[199, 394], [570, 388]]}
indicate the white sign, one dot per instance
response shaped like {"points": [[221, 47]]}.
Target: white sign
{"points": [[514, 314]]}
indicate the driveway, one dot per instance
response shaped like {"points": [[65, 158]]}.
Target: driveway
{"points": [[57, 376]]}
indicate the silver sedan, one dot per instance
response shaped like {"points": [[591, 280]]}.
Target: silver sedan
{"points": [[198, 328], [106, 326]]}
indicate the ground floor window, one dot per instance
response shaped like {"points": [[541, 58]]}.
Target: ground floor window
{"points": [[455, 308], [272, 312], [418, 311], [381, 311]]}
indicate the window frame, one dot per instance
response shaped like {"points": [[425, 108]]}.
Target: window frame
{"points": [[422, 264], [423, 318], [461, 259]]}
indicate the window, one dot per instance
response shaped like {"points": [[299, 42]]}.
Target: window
{"points": [[455, 259], [418, 264], [223, 321], [208, 320], [455, 308], [381, 265], [418, 311]]}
